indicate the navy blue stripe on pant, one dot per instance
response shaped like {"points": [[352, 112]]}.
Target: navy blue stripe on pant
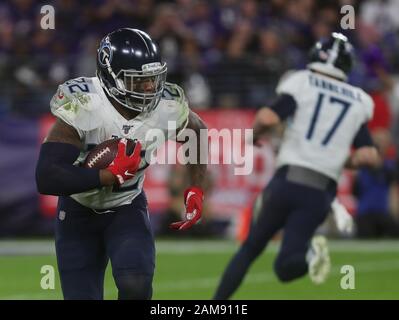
{"points": [[85, 241], [294, 207]]}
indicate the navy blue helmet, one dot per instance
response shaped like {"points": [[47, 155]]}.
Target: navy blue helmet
{"points": [[333, 56], [130, 69]]}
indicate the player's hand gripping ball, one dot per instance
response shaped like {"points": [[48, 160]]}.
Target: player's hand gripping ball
{"points": [[120, 156]]}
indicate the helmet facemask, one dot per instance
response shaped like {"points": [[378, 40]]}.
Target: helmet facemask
{"points": [[141, 89], [138, 90]]}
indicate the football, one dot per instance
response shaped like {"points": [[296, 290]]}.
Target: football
{"points": [[104, 153]]}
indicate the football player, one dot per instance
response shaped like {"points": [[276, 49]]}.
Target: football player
{"points": [[102, 214], [325, 117]]}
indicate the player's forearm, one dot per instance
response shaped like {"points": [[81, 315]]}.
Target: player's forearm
{"points": [[197, 173], [265, 118], [197, 170], [351, 163], [265, 123], [56, 174], [259, 131]]}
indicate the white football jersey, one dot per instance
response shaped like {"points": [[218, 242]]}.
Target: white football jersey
{"points": [[83, 104], [329, 113]]}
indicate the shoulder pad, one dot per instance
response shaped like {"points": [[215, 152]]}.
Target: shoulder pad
{"points": [[369, 104], [77, 103], [174, 105]]}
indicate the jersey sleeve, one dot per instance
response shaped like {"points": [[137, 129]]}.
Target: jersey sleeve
{"points": [[178, 109], [77, 109], [369, 106], [284, 106]]}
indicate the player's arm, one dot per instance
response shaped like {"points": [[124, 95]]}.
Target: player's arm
{"points": [[268, 118], [365, 153], [197, 170], [194, 195], [55, 172]]}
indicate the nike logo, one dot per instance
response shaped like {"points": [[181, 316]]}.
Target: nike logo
{"points": [[128, 174], [189, 195]]}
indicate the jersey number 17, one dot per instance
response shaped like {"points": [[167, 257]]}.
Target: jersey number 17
{"points": [[333, 100]]}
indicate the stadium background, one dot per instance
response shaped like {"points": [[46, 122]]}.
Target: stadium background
{"points": [[228, 55]]}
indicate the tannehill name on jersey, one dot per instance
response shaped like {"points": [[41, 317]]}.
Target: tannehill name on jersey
{"points": [[334, 87]]}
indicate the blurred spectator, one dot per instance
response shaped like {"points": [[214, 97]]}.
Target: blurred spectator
{"points": [[86, 64], [225, 18], [229, 90], [381, 13], [373, 187], [169, 31], [23, 14], [298, 17], [201, 25], [114, 14], [376, 77], [143, 14], [268, 65], [193, 79]]}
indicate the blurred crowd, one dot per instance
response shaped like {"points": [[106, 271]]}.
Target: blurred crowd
{"points": [[225, 53]]}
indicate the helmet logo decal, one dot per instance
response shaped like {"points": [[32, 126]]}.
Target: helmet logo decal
{"points": [[150, 67], [105, 53]]}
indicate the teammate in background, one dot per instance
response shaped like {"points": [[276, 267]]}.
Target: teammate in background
{"points": [[325, 117], [102, 214]]}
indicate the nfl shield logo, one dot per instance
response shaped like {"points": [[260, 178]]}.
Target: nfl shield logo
{"points": [[126, 128], [62, 215]]}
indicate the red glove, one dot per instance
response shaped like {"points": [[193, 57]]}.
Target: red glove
{"points": [[123, 167], [193, 198]]}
